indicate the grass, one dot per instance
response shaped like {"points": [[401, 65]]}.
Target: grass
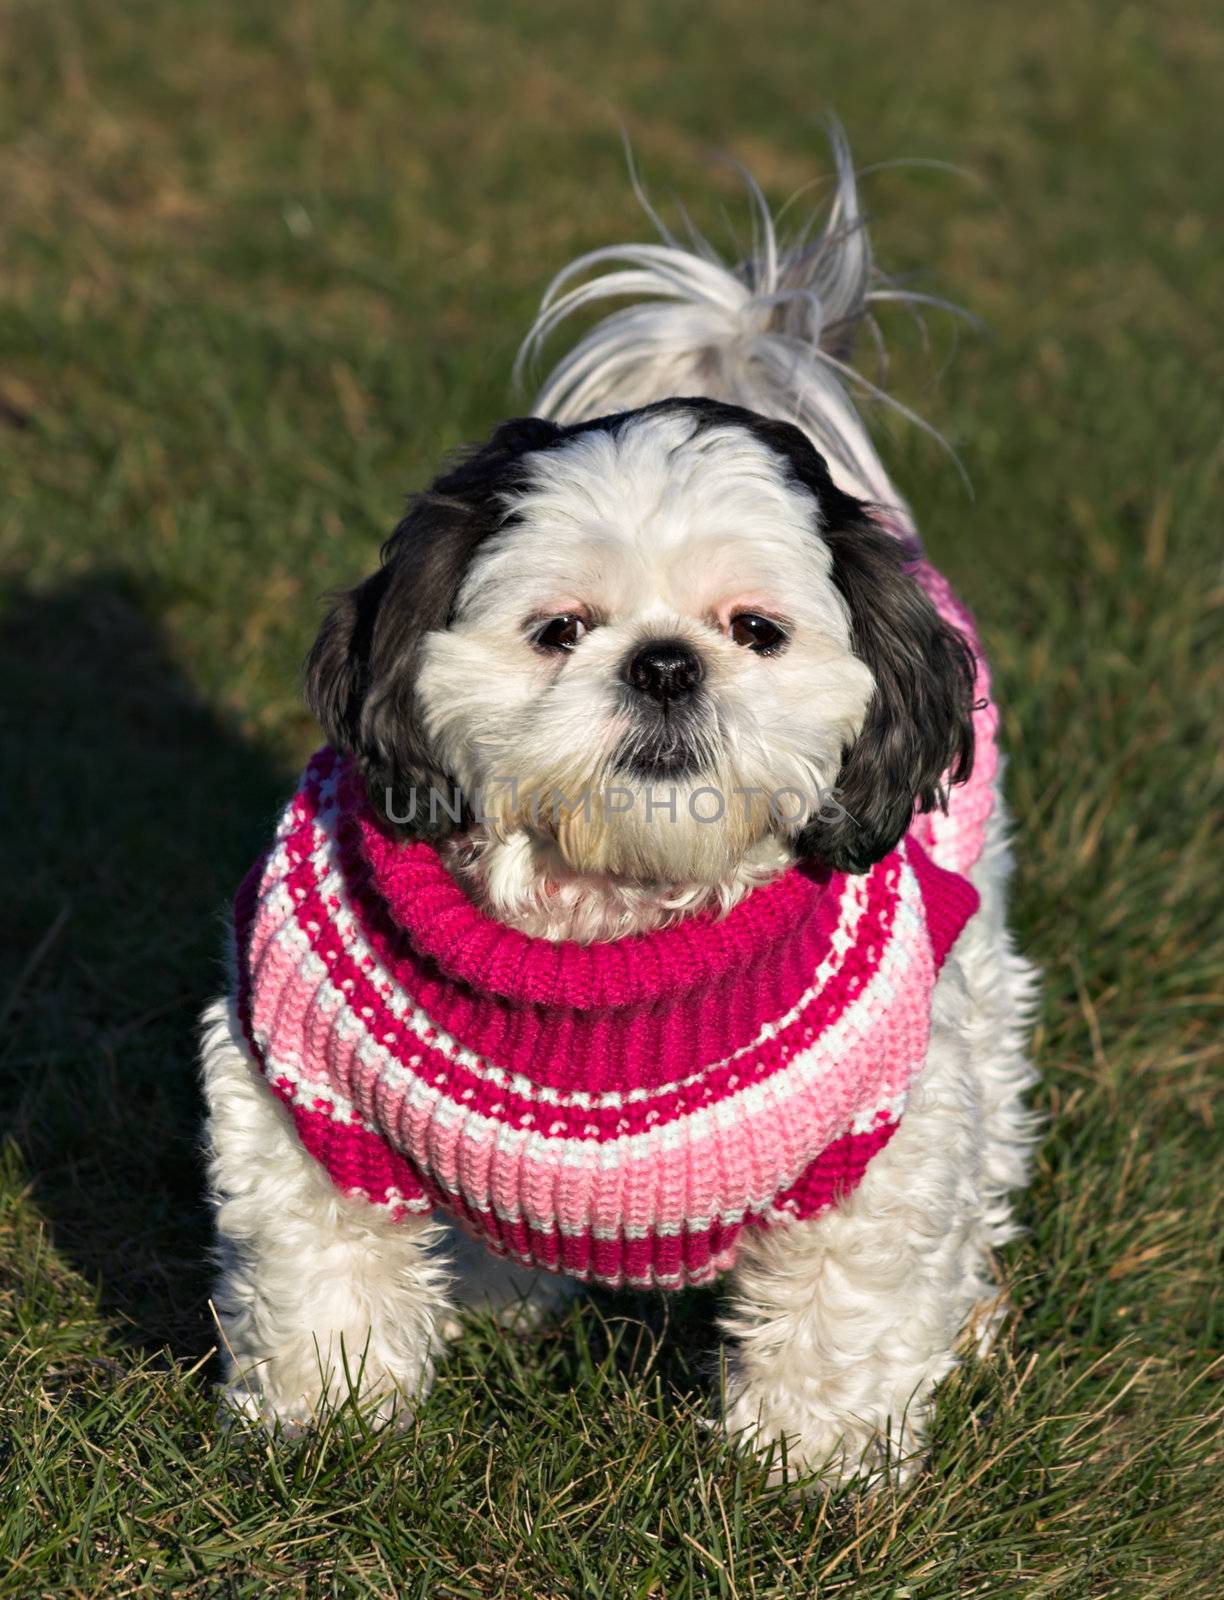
{"points": [[261, 266]]}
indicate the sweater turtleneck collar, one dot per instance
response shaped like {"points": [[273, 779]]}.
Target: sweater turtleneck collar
{"points": [[441, 923], [469, 946]]}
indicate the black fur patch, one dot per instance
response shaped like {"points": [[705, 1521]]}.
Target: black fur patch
{"points": [[361, 672], [918, 732]]}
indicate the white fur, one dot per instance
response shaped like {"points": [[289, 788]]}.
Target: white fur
{"points": [[844, 1325], [841, 1326], [770, 333]]}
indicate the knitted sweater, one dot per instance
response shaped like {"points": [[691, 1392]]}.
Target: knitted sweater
{"points": [[618, 1112]]}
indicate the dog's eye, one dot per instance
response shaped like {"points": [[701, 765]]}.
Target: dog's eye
{"points": [[560, 633], [760, 634]]}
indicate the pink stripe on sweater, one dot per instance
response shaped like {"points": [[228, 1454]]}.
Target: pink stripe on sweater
{"points": [[657, 1260]]}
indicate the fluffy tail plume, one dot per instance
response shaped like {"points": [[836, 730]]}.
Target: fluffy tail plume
{"points": [[772, 333]]}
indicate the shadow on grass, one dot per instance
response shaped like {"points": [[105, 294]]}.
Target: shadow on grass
{"points": [[670, 1336], [128, 813]]}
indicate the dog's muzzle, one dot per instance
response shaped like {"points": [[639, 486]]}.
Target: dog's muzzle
{"points": [[663, 682]]}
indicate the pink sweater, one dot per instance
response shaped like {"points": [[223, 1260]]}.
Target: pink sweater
{"points": [[618, 1112]]}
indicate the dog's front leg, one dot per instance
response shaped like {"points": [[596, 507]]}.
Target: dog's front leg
{"points": [[844, 1325], [320, 1296]]}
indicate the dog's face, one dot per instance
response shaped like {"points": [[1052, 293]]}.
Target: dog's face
{"points": [[659, 639]]}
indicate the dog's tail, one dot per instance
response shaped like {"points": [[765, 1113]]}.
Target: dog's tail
{"points": [[772, 334]]}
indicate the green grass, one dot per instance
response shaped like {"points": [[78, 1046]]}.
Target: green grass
{"points": [[261, 266]]}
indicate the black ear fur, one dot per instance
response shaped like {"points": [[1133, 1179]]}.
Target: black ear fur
{"points": [[918, 732], [360, 677]]}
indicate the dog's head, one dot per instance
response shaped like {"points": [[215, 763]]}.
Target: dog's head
{"points": [[656, 637]]}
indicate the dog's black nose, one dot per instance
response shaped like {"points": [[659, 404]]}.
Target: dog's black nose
{"points": [[665, 669]]}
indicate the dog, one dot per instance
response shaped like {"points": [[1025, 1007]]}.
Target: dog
{"points": [[644, 916]]}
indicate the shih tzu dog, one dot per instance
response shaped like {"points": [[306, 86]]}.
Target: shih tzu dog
{"points": [[642, 919]]}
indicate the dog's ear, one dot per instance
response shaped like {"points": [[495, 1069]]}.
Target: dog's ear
{"points": [[360, 677], [336, 667], [917, 736], [918, 732]]}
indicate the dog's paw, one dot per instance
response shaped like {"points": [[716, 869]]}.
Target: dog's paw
{"points": [[816, 1454], [242, 1406], [290, 1399]]}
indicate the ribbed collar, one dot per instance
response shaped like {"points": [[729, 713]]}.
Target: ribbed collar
{"points": [[443, 924]]}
